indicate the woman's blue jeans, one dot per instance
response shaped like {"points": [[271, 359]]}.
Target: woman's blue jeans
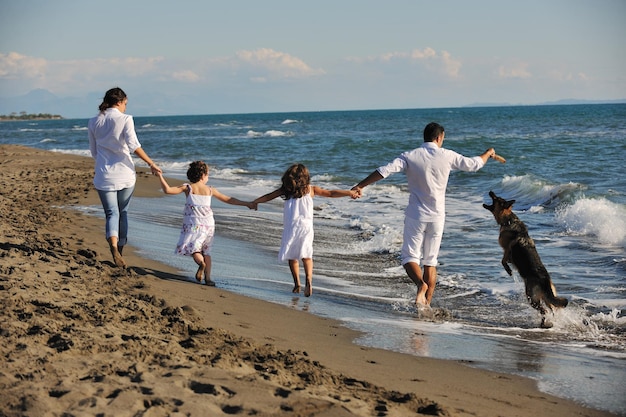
{"points": [[115, 204]]}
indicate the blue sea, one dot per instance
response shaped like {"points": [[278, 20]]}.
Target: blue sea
{"points": [[565, 169]]}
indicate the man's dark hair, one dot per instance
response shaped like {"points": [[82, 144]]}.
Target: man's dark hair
{"points": [[432, 131]]}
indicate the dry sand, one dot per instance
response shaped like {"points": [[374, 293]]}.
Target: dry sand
{"points": [[80, 337]]}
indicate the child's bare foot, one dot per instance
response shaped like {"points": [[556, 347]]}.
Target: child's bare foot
{"points": [[308, 290], [296, 289], [209, 282], [200, 272]]}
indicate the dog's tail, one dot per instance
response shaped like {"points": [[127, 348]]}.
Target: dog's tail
{"points": [[559, 302], [552, 299]]}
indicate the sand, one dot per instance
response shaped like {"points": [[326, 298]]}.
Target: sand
{"points": [[81, 337]]}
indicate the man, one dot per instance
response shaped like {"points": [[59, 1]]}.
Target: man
{"points": [[427, 170]]}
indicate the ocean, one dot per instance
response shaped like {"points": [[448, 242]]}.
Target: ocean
{"points": [[565, 169]]}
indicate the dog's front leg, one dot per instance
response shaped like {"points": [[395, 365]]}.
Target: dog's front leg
{"points": [[505, 261]]}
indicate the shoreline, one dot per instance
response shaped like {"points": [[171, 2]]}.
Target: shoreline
{"points": [[84, 336]]}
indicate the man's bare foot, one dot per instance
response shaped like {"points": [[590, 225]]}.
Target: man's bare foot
{"points": [[200, 272], [308, 290], [117, 257], [296, 289], [210, 283], [422, 302], [420, 299]]}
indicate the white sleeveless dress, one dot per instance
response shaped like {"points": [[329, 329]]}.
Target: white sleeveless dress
{"points": [[198, 225], [297, 239]]}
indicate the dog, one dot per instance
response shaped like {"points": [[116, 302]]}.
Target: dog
{"points": [[519, 250]]}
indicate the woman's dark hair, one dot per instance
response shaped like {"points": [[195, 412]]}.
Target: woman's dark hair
{"points": [[111, 98], [196, 170], [296, 181], [432, 131]]}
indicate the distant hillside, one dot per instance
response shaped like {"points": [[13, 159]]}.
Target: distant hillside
{"points": [[574, 101], [44, 102], [30, 116], [569, 101]]}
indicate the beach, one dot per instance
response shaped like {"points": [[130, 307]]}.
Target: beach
{"points": [[82, 337]]}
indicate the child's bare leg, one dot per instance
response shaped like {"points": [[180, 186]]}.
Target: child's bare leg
{"points": [[308, 270], [207, 271], [199, 259], [294, 267]]}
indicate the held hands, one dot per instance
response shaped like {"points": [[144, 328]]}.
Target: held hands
{"points": [[155, 170], [356, 192]]}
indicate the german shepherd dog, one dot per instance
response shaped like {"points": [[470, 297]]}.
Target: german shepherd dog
{"points": [[519, 249]]}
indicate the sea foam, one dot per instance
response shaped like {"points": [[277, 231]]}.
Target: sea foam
{"points": [[598, 217], [531, 192]]}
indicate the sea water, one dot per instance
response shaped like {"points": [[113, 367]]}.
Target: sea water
{"points": [[565, 169]]}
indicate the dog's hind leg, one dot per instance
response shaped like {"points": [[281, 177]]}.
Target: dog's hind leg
{"points": [[534, 297]]}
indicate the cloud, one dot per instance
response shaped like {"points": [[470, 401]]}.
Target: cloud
{"points": [[519, 70], [20, 72], [186, 76], [414, 55], [66, 76], [14, 65], [428, 58], [451, 66], [265, 63], [566, 76]]}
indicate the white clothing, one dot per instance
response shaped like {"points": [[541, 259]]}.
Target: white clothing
{"points": [[421, 241], [112, 140], [297, 239], [198, 228], [427, 170]]}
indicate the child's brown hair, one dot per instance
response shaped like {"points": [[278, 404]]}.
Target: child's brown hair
{"points": [[296, 181], [196, 170]]}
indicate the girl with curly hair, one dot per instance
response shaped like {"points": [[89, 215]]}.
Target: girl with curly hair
{"points": [[297, 238], [196, 236]]}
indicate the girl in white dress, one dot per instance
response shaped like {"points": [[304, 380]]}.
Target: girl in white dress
{"points": [[297, 239], [196, 236]]}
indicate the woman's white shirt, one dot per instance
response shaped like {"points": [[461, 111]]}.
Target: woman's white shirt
{"points": [[112, 141]]}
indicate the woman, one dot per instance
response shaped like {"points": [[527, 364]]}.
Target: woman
{"points": [[112, 140]]}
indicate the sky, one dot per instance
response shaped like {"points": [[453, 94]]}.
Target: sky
{"points": [[236, 56]]}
